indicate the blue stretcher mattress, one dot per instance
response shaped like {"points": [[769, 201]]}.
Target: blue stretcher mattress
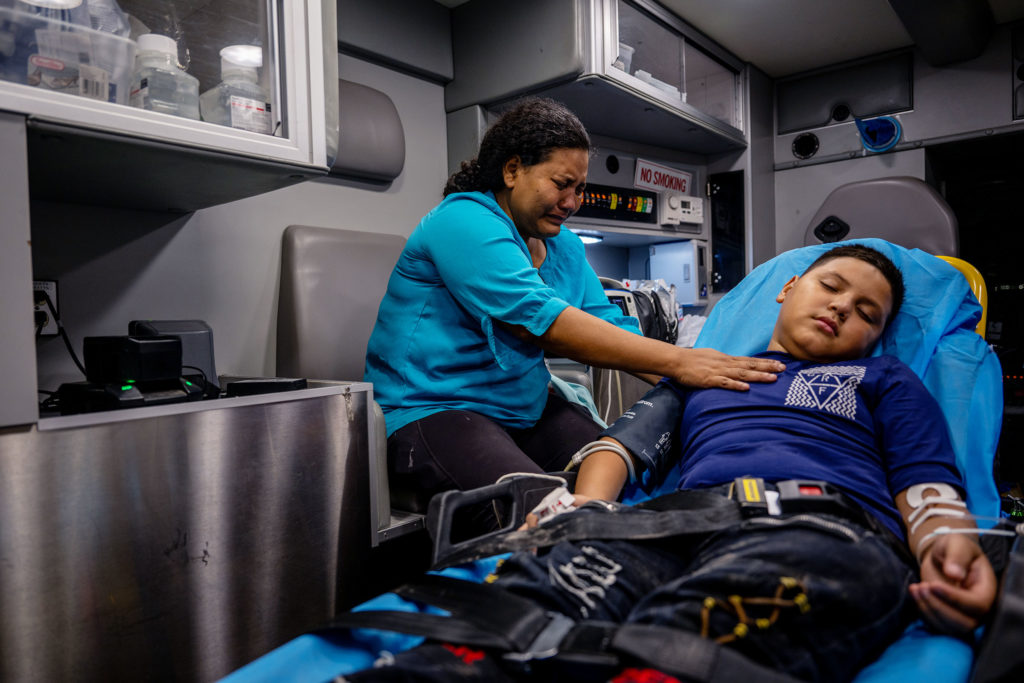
{"points": [[933, 333]]}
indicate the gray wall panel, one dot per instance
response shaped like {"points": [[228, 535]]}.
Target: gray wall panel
{"points": [[760, 175], [799, 192], [18, 405], [968, 97], [466, 128], [610, 262], [541, 42], [412, 34], [221, 264]]}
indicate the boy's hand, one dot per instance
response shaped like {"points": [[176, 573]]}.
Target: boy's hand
{"points": [[957, 585], [556, 502], [533, 520]]}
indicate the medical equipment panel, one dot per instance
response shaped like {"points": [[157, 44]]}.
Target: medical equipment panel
{"points": [[624, 300], [675, 208], [668, 211], [685, 265], [619, 204]]}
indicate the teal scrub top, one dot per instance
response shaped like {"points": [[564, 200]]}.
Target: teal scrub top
{"points": [[435, 345]]}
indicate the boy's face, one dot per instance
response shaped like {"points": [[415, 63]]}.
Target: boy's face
{"points": [[836, 311]]}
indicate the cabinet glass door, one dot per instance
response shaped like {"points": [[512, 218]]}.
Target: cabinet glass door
{"points": [[655, 50], [222, 74], [651, 52], [228, 47]]}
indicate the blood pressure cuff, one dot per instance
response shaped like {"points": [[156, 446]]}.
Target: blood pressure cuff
{"points": [[650, 432]]}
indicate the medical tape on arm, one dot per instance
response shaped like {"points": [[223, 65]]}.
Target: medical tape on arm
{"points": [[595, 446], [1008, 529], [927, 508]]}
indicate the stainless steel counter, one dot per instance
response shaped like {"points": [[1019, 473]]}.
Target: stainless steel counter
{"points": [[178, 542]]}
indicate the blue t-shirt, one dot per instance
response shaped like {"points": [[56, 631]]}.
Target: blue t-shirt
{"points": [[436, 345], [868, 426]]}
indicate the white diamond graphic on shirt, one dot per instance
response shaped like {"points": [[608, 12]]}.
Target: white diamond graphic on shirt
{"points": [[829, 388]]}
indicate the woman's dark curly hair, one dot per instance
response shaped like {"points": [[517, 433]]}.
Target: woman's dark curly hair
{"points": [[530, 130]]}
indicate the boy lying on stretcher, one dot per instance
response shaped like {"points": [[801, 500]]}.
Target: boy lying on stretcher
{"points": [[813, 595]]}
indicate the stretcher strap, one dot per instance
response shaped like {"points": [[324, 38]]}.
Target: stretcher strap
{"points": [[485, 606], [487, 616], [482, 615], [626, 523], [434, 626]]}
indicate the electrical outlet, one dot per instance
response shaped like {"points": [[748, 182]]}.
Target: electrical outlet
{"points": [[43, 314]]}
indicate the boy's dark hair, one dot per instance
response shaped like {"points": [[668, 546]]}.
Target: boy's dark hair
{"points": [[878, 260], [530, 130]]}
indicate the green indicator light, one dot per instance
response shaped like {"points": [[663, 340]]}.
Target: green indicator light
{"points": [[188, 383], [126, 387], [130, 381]]}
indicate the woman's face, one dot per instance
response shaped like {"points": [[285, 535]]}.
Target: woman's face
{"points": [[541, 197]]}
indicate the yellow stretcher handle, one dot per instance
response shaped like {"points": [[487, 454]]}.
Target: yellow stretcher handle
{"points": [[977, 285]]}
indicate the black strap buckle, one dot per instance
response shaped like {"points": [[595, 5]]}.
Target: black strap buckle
{"points": [[813, 496], [749, 492], [792, 496], [547, 642]]}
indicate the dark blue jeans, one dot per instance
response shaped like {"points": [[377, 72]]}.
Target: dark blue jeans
{"points": [[818, 597]]}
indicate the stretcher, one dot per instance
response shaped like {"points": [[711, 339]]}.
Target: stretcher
{"points": [[934, 333]]}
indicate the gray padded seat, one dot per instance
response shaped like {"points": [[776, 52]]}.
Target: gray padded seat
{"points": [[332, 282], [902, 210]]}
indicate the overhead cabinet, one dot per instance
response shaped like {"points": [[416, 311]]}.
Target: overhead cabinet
{"points": [[629, 68], [70, 133], [103, 131]]}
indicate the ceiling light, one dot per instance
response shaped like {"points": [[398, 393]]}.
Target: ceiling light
{"points": [[589, 237]]}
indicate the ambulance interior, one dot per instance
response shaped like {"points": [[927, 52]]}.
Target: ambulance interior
{"points": [[183, 541]]}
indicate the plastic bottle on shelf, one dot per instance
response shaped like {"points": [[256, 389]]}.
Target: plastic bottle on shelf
{"points": [[238, 100], [158, 84], [107, 16], [69, 11]]}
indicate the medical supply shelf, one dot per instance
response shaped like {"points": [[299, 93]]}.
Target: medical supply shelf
{"points": [[180, 542], [290, 64]]}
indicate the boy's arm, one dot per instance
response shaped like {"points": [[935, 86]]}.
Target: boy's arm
{"points": [[958, 586], [648, 433], [602, 475]]}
